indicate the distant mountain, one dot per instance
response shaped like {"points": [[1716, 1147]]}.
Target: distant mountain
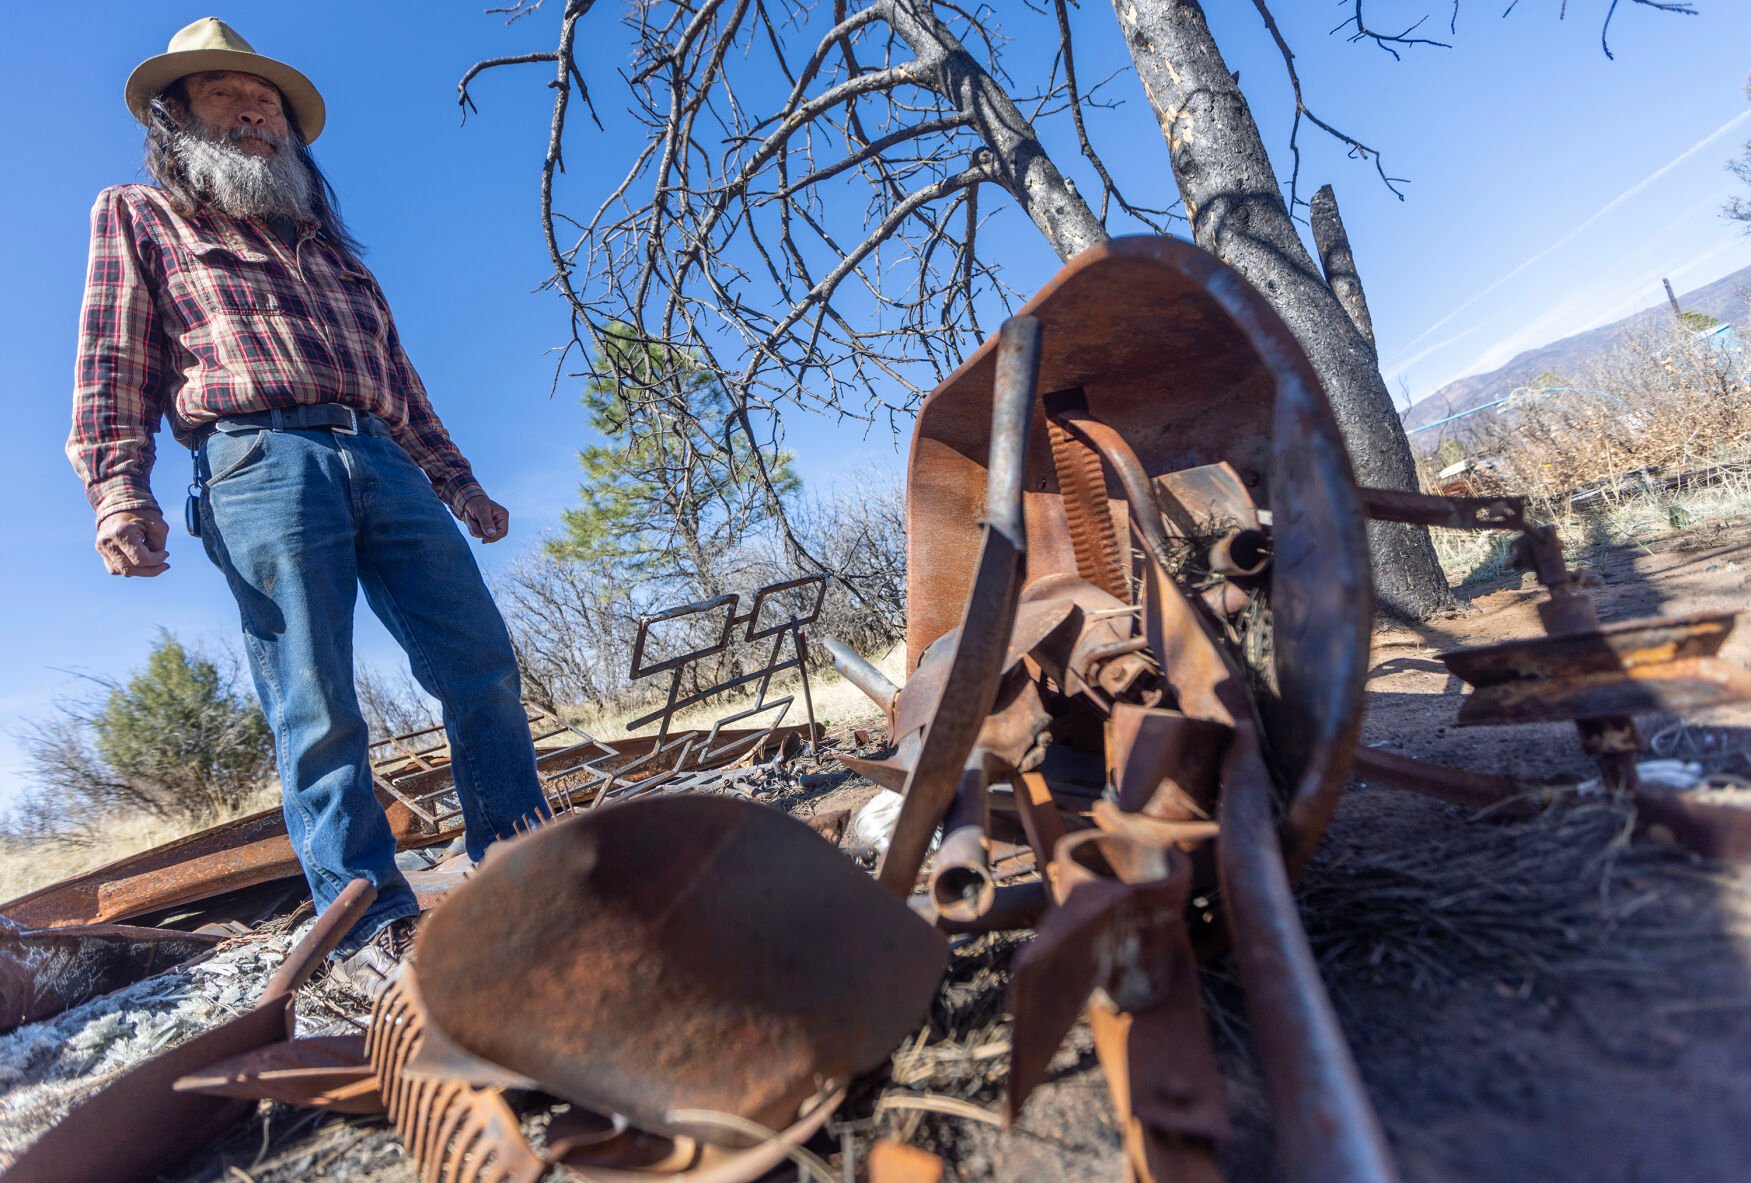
{"points": [[1724, 299]]}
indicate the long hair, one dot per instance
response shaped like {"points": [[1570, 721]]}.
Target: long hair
{"points": [[165, 118]]}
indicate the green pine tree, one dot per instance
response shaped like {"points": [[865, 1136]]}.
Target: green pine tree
{"points": [[672, 494], [178, 732]]}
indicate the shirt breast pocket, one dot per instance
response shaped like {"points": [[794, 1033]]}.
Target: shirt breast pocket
{"points": [[230, 281]]}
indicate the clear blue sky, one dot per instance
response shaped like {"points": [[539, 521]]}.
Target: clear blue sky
{"points": [[1549, 190]]}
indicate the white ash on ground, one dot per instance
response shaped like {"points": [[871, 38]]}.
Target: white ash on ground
{"points": [[47, 1068]]}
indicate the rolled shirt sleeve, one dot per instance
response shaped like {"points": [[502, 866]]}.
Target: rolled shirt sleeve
{"points": [[118, 388]]}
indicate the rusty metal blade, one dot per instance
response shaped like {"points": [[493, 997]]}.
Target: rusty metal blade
{"points": [[1687, 684], [1053, 977], [326, 1072], [1626, 645], [1162, 1073], [728, 960]]}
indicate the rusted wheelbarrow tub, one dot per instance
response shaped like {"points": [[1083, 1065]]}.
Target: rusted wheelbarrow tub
{"points": [[1192, 367]]}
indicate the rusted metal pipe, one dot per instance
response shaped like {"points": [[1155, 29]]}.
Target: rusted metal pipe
{"points": [[1013, 906], [861, 674], [1457, 786], [1241, 554], [1327, 1129], [961, 886]]}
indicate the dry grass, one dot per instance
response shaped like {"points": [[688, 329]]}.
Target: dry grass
{"points": [[1660, 404], [1660, 401], [1632, 517], [1560, 898], [26, 866], [836, 702]]}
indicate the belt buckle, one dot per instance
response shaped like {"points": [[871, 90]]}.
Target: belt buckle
{"points": [[352, 426]]}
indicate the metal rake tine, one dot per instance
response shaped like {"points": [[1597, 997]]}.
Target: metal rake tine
{"points": [[440, 1115], [467, 1159]]}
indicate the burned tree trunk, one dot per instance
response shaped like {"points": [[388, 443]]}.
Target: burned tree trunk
{"points": [[1237, 211], [1016, 158], [1333, 244]]}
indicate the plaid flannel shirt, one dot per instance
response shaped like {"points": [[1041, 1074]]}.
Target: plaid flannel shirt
{"points": [[204, 317]]}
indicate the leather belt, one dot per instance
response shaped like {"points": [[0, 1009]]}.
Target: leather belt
{"points": [[335, 417]]}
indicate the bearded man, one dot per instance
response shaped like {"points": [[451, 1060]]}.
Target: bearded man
{"points": [[230, 298]]}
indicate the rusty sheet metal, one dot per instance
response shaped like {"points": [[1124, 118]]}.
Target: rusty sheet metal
{"points": [[1624, 645], [45, 971], [1687, 684], [254, 850], [239, 853], [728, 958], [981, 642], [324, 1072], [138, 1125], [1209, 499], [1603, 673], [1164, 763]]}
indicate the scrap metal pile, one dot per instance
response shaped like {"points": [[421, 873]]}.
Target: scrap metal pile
{"points": [[1139, 611]]}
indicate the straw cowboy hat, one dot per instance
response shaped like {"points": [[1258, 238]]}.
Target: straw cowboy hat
{"points": [[211, 44]]}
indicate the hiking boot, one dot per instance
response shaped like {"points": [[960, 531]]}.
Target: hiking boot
{"points": [[369, 971]]}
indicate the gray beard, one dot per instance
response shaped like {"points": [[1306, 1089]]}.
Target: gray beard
{"points": [[245, 186]]}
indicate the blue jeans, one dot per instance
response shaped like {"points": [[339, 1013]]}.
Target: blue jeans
{"points": [[298, 520]]}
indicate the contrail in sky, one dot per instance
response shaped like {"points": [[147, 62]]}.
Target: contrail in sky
{"points": [[1628, 193]]}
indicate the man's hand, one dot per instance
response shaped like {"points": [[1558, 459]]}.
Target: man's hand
{"points": [[487, 520], [132, 542]]}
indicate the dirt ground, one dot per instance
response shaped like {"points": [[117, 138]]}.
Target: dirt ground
{"points": [[1546, 999]]}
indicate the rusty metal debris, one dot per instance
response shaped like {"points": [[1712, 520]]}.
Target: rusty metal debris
{"points": [[139, 1124], [178, 879], [45, 971], [774, 960], [1172, 590], [1599, 676], [786, 620], [324, 1072], [1193, 619], [689, 968], [1139, 608]]}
